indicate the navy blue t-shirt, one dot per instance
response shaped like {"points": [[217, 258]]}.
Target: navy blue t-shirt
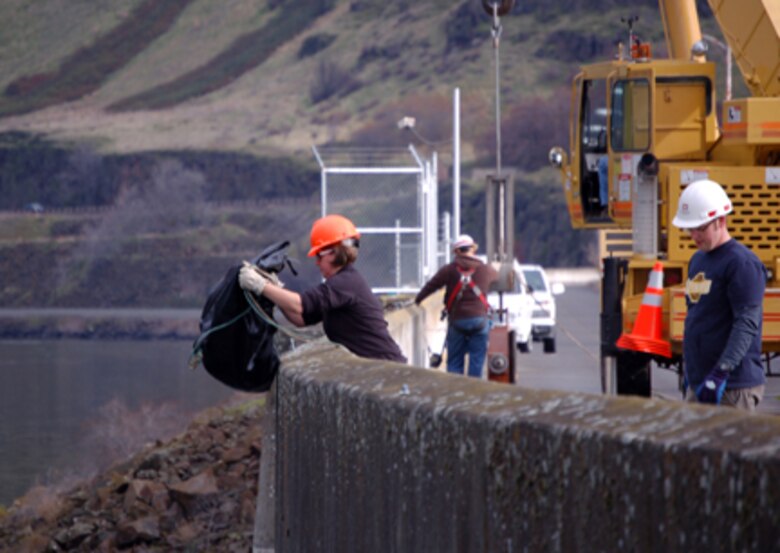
{"points": [[351, 315], [721, 283]]}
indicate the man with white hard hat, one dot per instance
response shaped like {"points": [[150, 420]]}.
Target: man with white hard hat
{"points": [[466, 281], [724, 295]]}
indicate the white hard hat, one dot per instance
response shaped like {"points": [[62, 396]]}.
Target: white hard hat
{"points": [[702, 201], [463, 241]]}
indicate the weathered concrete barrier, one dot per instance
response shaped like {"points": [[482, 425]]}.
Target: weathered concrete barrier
{"points": [[385, 457], [419, 329]]}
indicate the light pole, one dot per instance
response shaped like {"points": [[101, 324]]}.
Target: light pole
{"points": [[725, 48], [701, 48], [408, 123], [499, 193]]}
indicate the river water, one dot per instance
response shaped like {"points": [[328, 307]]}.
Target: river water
{"points": [[68, 406]]}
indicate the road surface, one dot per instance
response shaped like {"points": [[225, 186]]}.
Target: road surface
{"points": [[575, 365]]}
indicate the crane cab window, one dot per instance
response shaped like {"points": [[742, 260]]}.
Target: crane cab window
{"points": [[593, 147], [594, 116], [630, 121]]}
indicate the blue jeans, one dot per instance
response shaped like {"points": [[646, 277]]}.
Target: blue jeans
{"points": [[467, 336], [603, 180]]}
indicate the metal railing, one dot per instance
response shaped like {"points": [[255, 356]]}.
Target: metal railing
{"points": [[391, 196]]}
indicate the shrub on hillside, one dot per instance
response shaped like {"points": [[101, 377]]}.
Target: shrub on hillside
{"points": [[321, 6], [60, 229], [173, 199], [374, 53], [573, 46], [331, 80], [467, 25], [314, 44]]}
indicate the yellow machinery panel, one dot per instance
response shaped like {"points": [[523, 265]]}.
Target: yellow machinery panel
{"points": [[677, 312], [615, 243], [680, 119], [752, 121], [756, 218], [770, 335]]}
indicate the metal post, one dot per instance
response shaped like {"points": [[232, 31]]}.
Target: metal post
{"points": [[446, 238], [432, 217], [323, 181], [455, 163], [398, 253], [726, 49], [496, 30], [728, 72], [264, 536]]}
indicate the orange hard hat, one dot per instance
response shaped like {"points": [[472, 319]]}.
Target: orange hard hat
{"points": [[329, 231]]}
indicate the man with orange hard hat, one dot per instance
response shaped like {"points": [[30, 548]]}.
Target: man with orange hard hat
{"points": [[724, 294], [350, 313]]}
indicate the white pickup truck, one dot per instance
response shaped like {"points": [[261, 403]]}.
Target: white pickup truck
{"points": [[542, 293]]}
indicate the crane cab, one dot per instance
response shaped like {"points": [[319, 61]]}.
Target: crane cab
{"points": [[622, 110]]}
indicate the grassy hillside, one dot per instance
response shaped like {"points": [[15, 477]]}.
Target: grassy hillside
{"points": [[229, 89], [247, 74]]}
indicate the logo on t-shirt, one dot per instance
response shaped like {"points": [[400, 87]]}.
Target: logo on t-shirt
{"points": [[696, 287]]}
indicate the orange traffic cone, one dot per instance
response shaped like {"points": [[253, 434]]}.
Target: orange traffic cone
{"points": [[646, 336]]}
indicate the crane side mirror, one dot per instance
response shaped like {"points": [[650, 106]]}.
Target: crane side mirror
{"points": [[557, 157]]}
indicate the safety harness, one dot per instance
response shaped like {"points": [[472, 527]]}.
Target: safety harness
{"points": [[466, 281]]}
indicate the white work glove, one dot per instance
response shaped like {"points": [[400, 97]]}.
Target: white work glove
{"points": [[253, 279]]}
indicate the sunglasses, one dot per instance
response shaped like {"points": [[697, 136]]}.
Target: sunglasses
{"points": [[464, 249], [701, 228]]}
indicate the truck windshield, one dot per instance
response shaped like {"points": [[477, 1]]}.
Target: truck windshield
{"points": [[534, 280]]}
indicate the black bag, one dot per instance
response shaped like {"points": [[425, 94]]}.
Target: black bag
{"points": [[236, 346]]}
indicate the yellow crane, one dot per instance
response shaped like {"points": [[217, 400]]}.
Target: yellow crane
{"points": [[641, 130]]}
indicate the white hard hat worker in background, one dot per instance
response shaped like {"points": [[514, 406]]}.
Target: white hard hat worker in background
{"points": [[701, 203], [463, 242], [466, 281], [724, 294]]}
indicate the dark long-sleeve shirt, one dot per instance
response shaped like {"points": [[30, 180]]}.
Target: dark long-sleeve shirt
{"points": [[469, 305], [351, 315], [725, 294]]}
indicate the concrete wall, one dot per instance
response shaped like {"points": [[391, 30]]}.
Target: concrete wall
{"points": [[419, 330], [376, 457]]}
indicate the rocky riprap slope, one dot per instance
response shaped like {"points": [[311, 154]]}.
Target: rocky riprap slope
{"points": [[196, 492]]}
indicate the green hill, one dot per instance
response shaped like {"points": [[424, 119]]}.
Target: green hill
{"points": [[253, 75], [97, 97]]}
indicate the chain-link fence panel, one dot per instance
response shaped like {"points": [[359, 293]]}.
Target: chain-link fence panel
{"points": [[384, 193]]}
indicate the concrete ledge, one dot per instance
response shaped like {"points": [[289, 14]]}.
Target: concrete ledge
{"points": [[386, 457], [418, 329], [575, 276]]}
